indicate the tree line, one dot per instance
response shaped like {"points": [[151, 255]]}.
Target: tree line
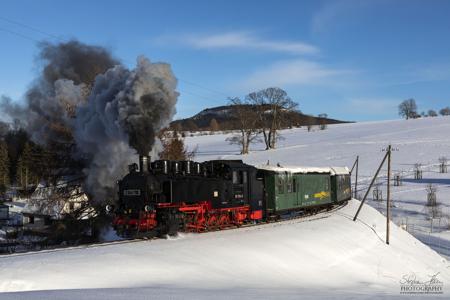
{"points": [[22, 162], [408, 110]]}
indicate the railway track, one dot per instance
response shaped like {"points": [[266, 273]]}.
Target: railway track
{"points": [[325, 213]]}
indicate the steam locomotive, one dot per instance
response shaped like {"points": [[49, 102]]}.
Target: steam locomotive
{"points": [[164, 197]]}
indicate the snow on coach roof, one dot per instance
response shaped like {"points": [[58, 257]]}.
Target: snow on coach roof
{"points": [[304, 170]]}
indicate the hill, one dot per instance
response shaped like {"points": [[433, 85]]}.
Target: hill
{"points": [[225, 117], [416, 141], [323, 256]]}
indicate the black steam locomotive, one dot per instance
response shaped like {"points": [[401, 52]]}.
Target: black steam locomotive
{"points": [[164, 197]]}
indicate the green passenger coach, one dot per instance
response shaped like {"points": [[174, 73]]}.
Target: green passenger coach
{"points": [[301, 188]]}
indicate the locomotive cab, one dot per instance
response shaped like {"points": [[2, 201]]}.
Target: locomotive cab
{"points": [[138, 190]]}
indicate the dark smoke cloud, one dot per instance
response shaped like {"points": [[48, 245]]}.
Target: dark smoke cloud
{"points": [[75, 61], [69, 70], [124, 111], [113, 113]]}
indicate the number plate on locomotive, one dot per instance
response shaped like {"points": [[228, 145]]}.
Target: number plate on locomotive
{"points": [[131, 192]]}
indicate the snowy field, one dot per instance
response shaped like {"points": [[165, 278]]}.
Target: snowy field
{"points": [[322, 256], [421, 141], [327, 256]]}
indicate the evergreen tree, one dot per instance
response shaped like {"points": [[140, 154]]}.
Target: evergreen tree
{"points": [[26, 171], [4, 167]]}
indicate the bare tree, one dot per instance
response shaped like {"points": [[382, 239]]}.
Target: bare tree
{"points": [[443, 164], [247, 118], [271, 104], [322, 121], [408, 109], [432, 113], [214, 125], [174, 147], [445, 111], [432, 204]]}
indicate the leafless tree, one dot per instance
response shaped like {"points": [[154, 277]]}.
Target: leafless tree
{"points": [[214, 125], [322, 121], [443, 164], [445, 111], [432, 113], [174, 147], [247, 118], [408, 109], [432, 204], [271, 104]]}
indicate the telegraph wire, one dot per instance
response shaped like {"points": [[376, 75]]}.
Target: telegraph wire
{"points": [[205, 88], [30, 28], [60, 39], [202, 97], [19, 34]]}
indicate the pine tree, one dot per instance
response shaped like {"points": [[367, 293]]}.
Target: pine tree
{"points": [[26, 167], [4, 167]]}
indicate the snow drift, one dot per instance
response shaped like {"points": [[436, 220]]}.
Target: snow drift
{"points": [[326, 255]]}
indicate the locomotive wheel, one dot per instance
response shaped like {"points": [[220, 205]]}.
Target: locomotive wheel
{"points": [[224, 221], [212, 222], [172, 221]]}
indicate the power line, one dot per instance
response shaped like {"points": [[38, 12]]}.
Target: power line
{"points": [[19, 34], [205, 88], [30, 27], [59, 38], [202, 97]]}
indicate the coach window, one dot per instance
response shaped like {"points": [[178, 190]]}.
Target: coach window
{"points": [[289, 184], [294, 185], [280, 185]]}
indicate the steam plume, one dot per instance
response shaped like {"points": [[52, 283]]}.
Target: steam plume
{"points": [[124, 112]]}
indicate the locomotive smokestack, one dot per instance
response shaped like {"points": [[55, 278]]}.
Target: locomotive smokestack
{"points": [[143, 163]]}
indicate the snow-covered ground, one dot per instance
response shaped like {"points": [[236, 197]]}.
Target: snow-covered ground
{"points": [[325, 256], [322, 256], [421, 141]]}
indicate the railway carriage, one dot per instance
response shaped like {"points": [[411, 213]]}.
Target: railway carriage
{"points": [[290, 189]]}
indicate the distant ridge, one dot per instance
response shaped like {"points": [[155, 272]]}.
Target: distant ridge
{"points": [[225, 117]]}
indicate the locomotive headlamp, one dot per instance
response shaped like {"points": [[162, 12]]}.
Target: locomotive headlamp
{"points": [[109, 208], [147, 208]]}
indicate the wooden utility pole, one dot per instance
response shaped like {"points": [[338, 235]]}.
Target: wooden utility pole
{"points": [[356, 176], [370, 186], [356, 163], [388, 201]]}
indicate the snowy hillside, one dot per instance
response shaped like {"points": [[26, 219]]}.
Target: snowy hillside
{"points": [[417, 141], [325, 256]]}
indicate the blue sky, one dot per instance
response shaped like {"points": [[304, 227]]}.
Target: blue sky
{"points": [[355, 60]]}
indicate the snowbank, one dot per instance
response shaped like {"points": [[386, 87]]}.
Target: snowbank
{"points": [[326, 256]]}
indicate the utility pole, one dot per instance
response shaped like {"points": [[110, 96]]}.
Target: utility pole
{"points": [[356, 177], [356, 163], [388, 202], [370, 186]]}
